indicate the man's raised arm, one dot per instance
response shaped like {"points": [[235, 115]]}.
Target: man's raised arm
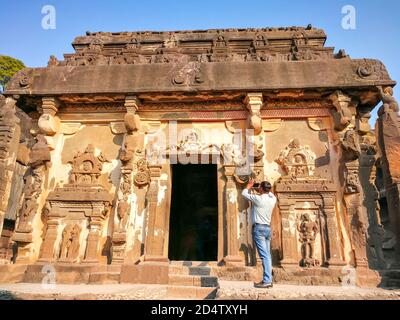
{"points": [[246, 194]]}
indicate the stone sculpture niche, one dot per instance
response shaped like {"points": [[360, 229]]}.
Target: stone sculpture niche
{"points": [[298, 190], [308, 230], [82, 203], [70, 243]]}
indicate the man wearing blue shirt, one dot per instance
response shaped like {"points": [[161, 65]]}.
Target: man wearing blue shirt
{"points": [[263, 203]]}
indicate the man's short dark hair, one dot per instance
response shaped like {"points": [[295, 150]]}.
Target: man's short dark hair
{"points": [[266, 186]]}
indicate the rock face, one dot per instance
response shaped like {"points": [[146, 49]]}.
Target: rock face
{"points": [[88, 151], [388, 131]]}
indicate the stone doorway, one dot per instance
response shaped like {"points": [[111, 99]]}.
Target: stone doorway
{"points": [[193, 233]]}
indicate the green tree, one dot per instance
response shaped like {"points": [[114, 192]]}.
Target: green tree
{"points": [[8, 67]]}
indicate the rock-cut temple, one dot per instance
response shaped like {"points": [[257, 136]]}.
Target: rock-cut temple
{"points": [[125, 161]]}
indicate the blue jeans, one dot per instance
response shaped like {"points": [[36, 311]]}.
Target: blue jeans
{"points": [[262, 238]]}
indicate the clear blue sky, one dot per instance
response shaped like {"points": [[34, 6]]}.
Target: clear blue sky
{"points": [[376, 34]]}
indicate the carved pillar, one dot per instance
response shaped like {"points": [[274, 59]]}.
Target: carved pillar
{"points": [[335, 258], [92, 245], [47, 249], [9, 141], [155, 235], [232, 256], [289, 241], [370, 201], [47, 252], [255, 141], [38, 162], [133, 147]]}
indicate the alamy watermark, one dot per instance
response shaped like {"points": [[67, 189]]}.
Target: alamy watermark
{"points": [[49, 279], [202, 146], [349, 17], [349, 278], [49, 18]]}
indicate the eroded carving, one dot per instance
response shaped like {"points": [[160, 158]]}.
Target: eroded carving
{"points": [[308, 230], [83, 200], [296, 160], [38, 159], [86, 167], [70, 243]]}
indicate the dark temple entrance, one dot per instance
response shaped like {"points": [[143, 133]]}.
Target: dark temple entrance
{"points": [[194, 213]]}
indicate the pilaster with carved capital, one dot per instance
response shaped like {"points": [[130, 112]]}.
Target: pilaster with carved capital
{"points": [[232, 257], [156, 228]]}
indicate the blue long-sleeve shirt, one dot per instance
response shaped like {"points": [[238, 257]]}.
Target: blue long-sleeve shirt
{"points": [[262, 206]]}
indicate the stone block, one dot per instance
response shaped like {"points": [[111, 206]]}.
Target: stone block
{"points": [[151, 272]]}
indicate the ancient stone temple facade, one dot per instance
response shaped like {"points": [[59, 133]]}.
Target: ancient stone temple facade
{"points": [[125, 161]]}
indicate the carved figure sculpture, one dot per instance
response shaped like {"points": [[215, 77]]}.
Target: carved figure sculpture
{"points": [[70, 243], [122, 211], [66, 242], [308, 230], [389, 102], [74, 248]]}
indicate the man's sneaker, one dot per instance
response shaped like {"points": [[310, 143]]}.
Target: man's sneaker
{"points": [[263, 285]]}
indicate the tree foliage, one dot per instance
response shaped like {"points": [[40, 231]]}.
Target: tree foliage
{"points": [[8, 67]]}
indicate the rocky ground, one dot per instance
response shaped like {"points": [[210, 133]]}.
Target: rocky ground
{"points": [[229, 290]]}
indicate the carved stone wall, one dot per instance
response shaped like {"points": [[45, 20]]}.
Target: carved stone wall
{"points": [[388, 141], [301, 194], [9, 140], [78, 209], [134, 174]]}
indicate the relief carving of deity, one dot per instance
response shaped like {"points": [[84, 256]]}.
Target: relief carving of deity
{"points": [[308, 230], [86, 167], [296, 160], [70, 243]]}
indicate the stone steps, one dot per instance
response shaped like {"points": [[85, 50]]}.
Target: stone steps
{"points": [[392, 274], [183, 270], [191, 292], [390, 283], [390, 279], [191, 280]]}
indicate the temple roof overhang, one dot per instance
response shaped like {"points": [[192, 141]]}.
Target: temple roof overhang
{"points": [[199, 61], [195, 77]]}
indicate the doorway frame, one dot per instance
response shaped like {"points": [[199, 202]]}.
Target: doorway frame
{"points": [[220, 206]]}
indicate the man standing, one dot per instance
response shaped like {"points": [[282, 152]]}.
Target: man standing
{"points": [[263, 204]]}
